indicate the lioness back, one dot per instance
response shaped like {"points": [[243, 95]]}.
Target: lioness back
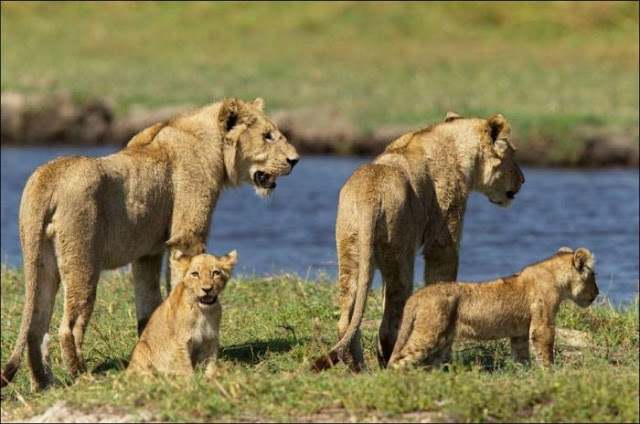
{"points": [[521, 307]]}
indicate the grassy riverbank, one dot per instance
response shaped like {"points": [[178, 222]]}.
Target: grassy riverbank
{"points": [[564, 73], [272, 328]]}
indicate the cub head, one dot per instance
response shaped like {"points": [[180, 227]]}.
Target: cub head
{"points": [[581, 280], [255, 151], [204, 276], [498, 175]]}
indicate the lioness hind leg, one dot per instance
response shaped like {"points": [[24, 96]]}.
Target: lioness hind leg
{"points": [[48, 285], [397, 277], [146, 278], [80, 295], [348, 281]]}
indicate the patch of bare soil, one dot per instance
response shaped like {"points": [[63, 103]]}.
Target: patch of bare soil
{"points": [[63, 413]]}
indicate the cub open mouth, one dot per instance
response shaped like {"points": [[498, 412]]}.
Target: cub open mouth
{"points": [[208, 300], [264, 180]]}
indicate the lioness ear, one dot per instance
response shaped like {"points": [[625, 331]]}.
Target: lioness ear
{"points": [[259, 103], [581, 258], [451, 116], [229, 114], [500, 128]]}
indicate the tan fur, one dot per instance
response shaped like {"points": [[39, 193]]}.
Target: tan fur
{"points": [[522, 307], [183, 332], [414, 194], [80, 215]]}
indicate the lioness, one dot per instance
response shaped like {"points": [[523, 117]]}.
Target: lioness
{"points": [[522, 307], [414, 194], [80, 215], [184, 330]]}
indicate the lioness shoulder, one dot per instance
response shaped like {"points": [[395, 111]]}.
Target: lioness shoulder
{"points": [[522, 307]]}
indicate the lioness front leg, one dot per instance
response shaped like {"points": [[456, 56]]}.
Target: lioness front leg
{"points": [[520, 349], [441, 264], [146, 279]]}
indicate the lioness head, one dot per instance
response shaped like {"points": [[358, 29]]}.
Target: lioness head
{"points": [[204, 276], [580, 281], [498, 174], [255, 151]]}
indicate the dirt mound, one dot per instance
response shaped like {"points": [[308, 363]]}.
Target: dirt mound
{"points": [[35, 119]]}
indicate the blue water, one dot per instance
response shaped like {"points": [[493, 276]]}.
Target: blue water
{"points": [[293, 230]]}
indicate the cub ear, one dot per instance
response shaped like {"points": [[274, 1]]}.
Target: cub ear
{"points": [[258, 103], [229, 114], [180, 258], [451, 116], [230, 259], [581, 258]]}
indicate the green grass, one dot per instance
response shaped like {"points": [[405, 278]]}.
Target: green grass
{"points": [[558, 71], [272, 328]]}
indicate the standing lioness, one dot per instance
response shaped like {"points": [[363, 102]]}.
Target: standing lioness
{"points": [[80, 215], [522, 307], [414, 194], [184, 330]]}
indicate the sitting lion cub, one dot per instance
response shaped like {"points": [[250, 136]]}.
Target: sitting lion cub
{"points": [[522, 307], [183, 331]]}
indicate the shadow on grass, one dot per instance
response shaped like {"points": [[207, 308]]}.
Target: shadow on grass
{"points": [[118, 364], [253, 352], [487, 359]]}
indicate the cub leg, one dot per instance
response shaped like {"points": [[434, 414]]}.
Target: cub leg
{"points": [[542, 332], [397, 277], [146, 279], [425, 345], [520, 349]]}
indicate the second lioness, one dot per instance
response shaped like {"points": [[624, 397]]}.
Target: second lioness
{"points": [[414, 194], [184, 330], [522, 307]]}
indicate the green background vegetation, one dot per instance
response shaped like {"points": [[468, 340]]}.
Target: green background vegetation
{"points": [[556, 70], [272, 329]]}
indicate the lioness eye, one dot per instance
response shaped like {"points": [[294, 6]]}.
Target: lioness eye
{"points": [[195, 274]]}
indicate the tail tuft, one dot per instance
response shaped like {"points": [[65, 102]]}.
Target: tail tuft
{"points": [[9, 371], [326, 361]]}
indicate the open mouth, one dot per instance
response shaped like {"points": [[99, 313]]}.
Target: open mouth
{"points": [[264, 180], [208, 300]]}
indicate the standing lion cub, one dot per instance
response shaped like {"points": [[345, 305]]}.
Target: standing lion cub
{"points": [[184, 330], [522, 307]]}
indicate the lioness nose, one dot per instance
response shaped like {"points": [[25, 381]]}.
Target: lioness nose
{"points": [[293, 162]]}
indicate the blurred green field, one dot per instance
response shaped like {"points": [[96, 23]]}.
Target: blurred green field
{"points": [[552, 68], [272, 329]]}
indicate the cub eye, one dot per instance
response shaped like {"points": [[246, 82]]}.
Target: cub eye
{"points": [[268, 137], [195, 274], [215, 272]]}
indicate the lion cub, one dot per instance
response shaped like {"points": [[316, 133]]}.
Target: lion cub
{"points": [[183, 331], [522, 307]]}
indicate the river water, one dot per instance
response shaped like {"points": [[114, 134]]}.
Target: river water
{"points": [[293, 230]]}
